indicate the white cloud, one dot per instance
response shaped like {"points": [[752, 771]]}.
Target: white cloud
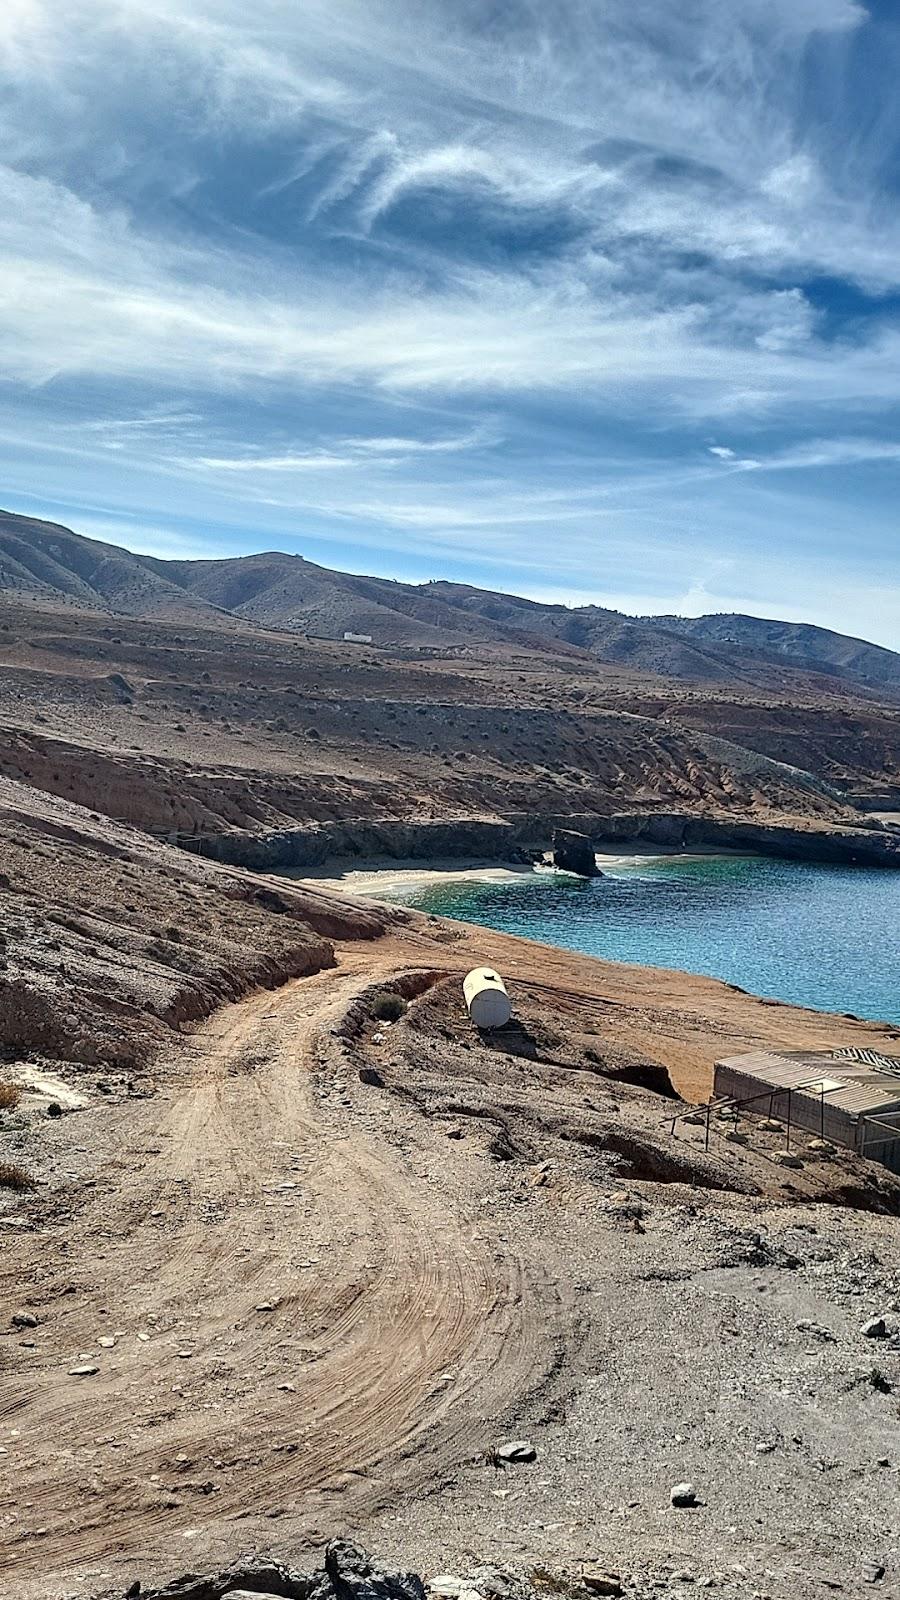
{"points": [[816, 454], [201, 208], [297, 461]]}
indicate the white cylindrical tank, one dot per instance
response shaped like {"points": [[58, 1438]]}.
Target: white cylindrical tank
{"points": [[486, 998]]}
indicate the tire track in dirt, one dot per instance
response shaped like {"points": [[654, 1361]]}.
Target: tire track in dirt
{"points": [[393, 1322]]}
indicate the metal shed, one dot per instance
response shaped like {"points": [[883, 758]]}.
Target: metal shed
{"points": [[851, 1097]]}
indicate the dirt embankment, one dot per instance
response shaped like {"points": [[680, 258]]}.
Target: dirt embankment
{"points": [[856, 748], [112, 943]]}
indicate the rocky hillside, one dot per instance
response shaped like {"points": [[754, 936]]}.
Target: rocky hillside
{"points": [[112, 943], [209, 733], [47, 562], [791, 645]]}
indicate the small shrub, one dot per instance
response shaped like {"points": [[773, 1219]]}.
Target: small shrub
{"points": [[10, 1095], [13, 1177], [388, 1007]]}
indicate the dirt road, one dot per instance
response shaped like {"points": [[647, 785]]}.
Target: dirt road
{"points": [[266, 1303], [273, 1304]]}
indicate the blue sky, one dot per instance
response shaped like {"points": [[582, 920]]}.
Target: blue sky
{"points": [[591, 300]]}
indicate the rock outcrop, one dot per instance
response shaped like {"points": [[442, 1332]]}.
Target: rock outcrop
{"points": [[574, 852], [349, 1573]]}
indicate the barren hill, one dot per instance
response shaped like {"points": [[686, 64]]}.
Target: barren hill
{"points": [[793, 645], [217, 700], [49, 563]]}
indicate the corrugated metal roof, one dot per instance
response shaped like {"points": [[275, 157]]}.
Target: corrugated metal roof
{"points": [[861, 1089]]}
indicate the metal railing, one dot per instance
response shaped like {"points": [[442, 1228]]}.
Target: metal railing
{"points": [[738, 1103]]}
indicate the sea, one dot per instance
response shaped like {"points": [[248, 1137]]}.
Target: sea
{"points": [[814, 935]]}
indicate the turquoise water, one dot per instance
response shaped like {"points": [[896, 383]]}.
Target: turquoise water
{"points": [[814, 935]]}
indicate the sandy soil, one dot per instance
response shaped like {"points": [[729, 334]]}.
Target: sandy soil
{"points": [[409, 878]]}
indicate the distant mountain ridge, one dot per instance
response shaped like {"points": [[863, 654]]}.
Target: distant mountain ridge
{"points": [[49, 563], [799, 643]]}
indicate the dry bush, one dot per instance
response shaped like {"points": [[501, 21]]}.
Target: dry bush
{"points": [[13, 1177], [388, 1007], [10, 1095]]}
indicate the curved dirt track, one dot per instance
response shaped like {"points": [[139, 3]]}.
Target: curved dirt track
{"points": [[257, 1178]]}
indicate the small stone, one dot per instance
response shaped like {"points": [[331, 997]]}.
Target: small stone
{"points": [[83, 1372], [250, 1594], [265, 1305], [107, 1342], [454, 1133], [786, 1158], [684, 1494], [818, 1332], [24, 1319], [134, 1590], [446, 1585], [54, 1109], [185, 1355], [289, 1388], [371, 1077], [736, 1136], [765, 1449], [517, 1450], [872, 1572], [600, 1582], [875, 1328]]}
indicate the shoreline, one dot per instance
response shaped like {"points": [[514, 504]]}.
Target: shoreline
{"points": [[387, 875], [390, 877], [407, 882]]}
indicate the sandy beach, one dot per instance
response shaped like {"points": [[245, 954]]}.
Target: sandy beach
{"points": [[400, 879]]}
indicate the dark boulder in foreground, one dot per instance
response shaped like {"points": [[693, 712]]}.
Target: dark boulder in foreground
{"points": [[574, 852], [349, 1574]]}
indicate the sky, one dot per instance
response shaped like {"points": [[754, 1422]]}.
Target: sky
{"points": [[596, 300]]}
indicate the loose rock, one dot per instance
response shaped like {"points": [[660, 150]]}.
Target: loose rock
{"points": [[517, 1450], [684, 1494], [608, 1583]]}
